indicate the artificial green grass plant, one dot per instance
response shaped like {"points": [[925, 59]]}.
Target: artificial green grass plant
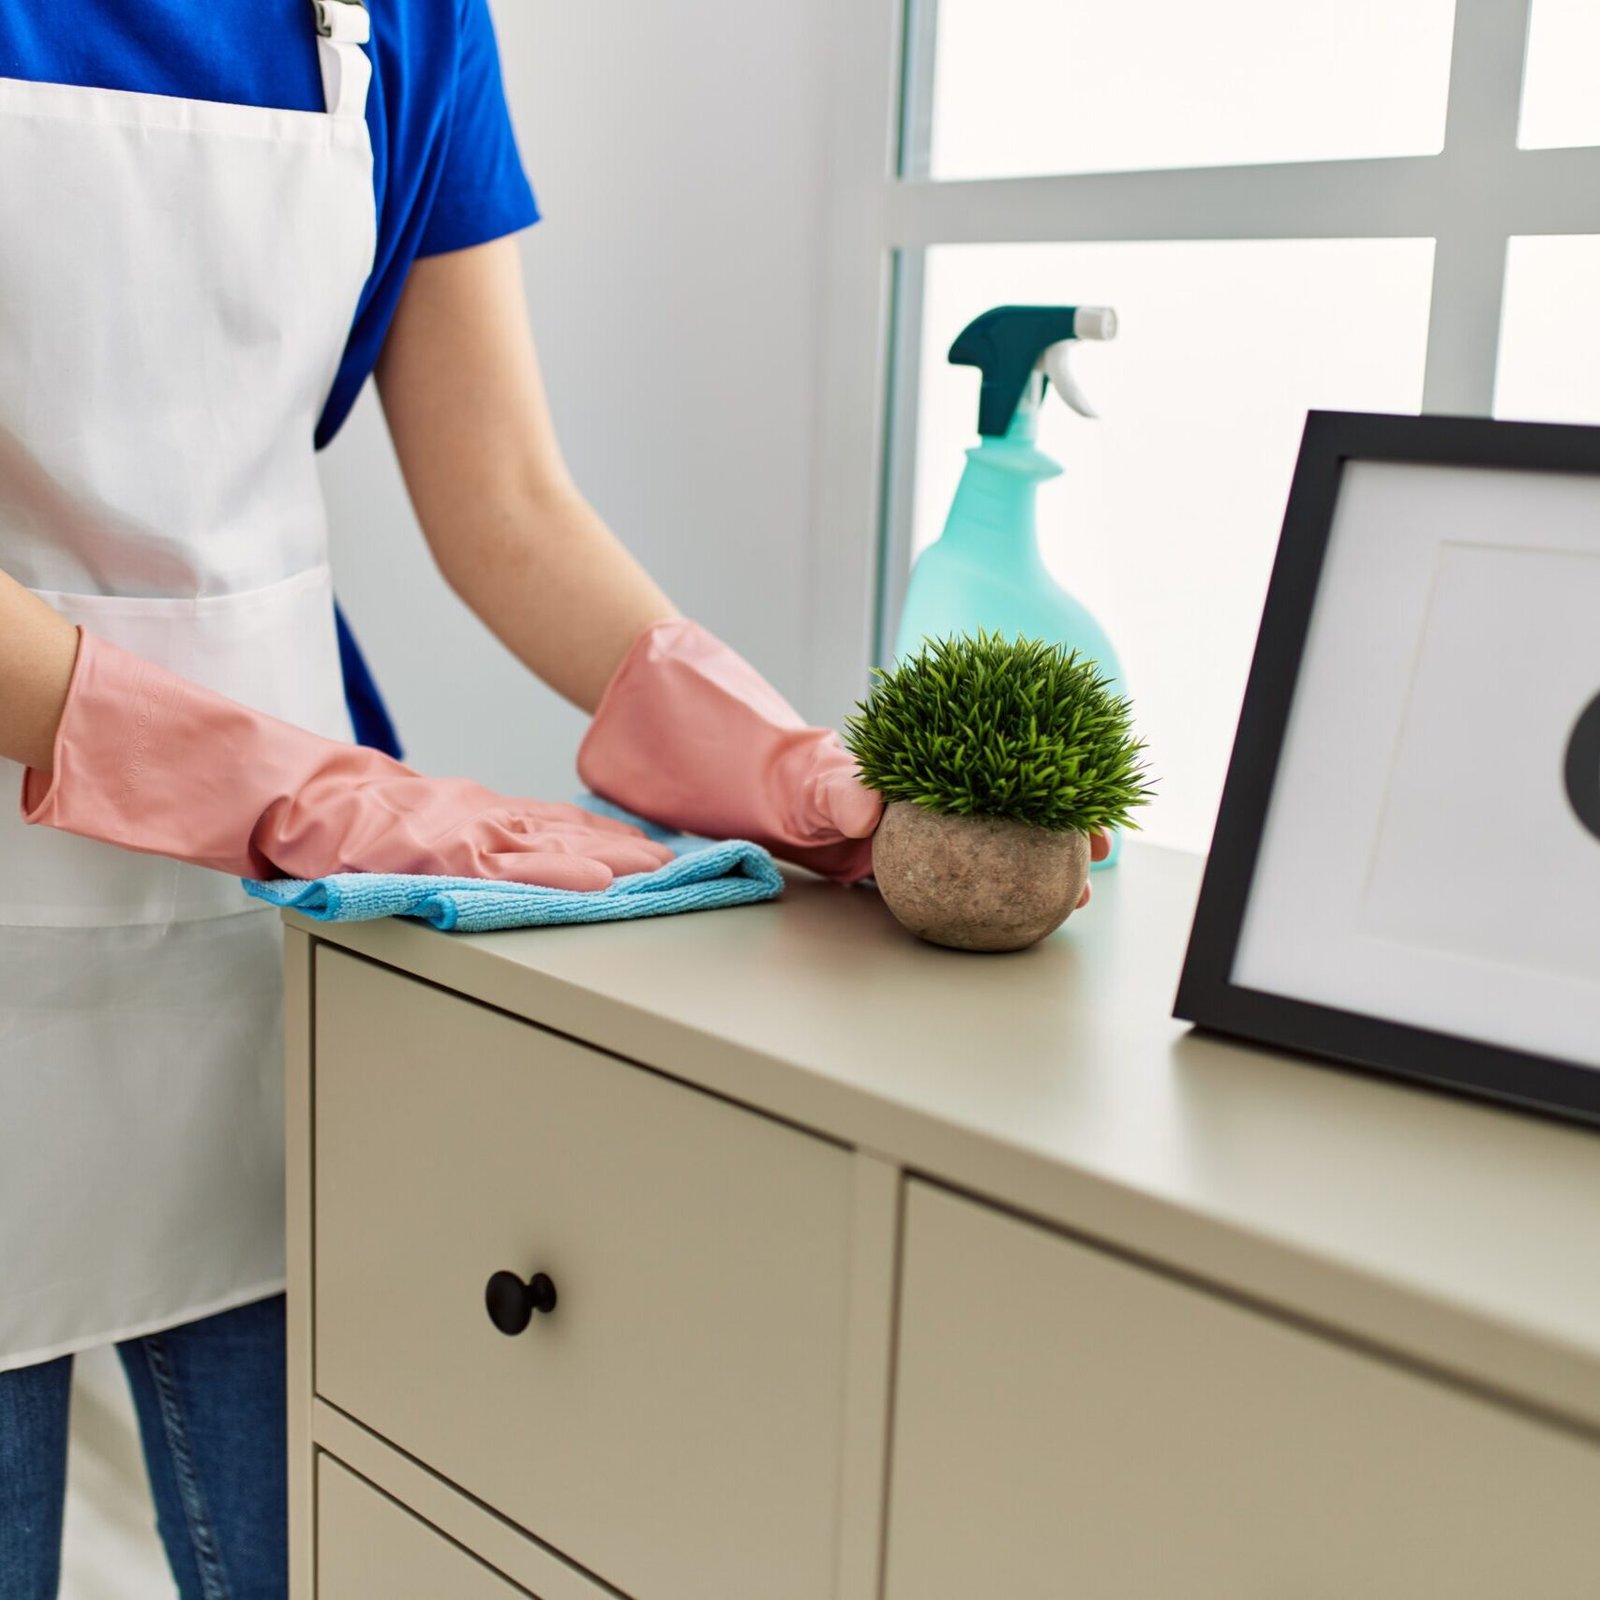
{"points": [[998, 727]]}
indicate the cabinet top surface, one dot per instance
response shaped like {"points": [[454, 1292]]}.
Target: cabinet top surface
{"points": [[1056, 1081]]}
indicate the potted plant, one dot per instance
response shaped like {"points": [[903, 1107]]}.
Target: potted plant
{"points": [[998, 759]]}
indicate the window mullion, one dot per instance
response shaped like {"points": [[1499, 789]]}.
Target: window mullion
{"points": [[1521, 191], [900, 465], [1401, 197], [920, 32], [1486, 67], [1469, 265]]}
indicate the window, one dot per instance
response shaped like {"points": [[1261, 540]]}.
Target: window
{"points": [[1561, 88], [1549, 366], [1325, 204], [1040, 86], [1224, 346]]}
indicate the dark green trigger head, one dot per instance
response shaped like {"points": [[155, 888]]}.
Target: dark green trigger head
{"points": [[1005, 344]]}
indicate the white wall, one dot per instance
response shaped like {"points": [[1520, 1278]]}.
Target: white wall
{"points": [[677, 152]]}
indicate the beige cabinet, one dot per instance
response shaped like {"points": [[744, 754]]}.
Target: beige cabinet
{"points": [[373, 1549], [880, 1273], [674, 1423], [1069, 1424]]}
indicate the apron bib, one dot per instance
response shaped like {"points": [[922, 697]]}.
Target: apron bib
{"points": [[177, 283]]}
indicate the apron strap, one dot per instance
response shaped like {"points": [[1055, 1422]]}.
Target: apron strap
{"points": [[343, 26]]}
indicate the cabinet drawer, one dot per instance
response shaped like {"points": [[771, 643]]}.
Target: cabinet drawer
{"points": [[370, 1548], [1067, 1423], [675, 1424]]}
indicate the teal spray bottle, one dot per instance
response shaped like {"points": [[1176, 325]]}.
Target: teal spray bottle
{"points": [[985, 570]]}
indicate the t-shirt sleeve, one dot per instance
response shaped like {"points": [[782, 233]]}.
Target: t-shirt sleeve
{"points": [[483, 192]]}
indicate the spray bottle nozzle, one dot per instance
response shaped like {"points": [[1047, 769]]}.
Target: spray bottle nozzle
{"points": [[1094, 322], [1011, 343]]}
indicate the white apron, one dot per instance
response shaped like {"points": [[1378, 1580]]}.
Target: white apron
{"points": [[177, 283]]}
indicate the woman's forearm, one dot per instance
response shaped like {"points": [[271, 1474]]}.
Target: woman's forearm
{"points": [[511, 533], [553, 583], [37, 651]]}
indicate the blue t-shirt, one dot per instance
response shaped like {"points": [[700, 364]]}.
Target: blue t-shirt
{"points": [[446, 170]]}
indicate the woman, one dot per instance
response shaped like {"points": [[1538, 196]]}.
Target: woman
{"points": [[215, 223]]}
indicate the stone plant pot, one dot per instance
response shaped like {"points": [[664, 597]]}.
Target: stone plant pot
{"points": [[977, 883]]}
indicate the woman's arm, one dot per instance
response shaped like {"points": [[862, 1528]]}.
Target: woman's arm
{"points": [[37, 650], [687, 732], [510, 531]]}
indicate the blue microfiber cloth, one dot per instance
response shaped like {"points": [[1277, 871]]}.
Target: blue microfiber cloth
{"points": [[707, 874]]}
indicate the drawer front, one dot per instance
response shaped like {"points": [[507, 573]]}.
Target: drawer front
{"points": [[370, 1548], [675, 1424], [1069, 1424]]}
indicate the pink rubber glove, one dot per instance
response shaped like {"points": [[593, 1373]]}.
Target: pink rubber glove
{"points": [[689, 734], [149, 761]]}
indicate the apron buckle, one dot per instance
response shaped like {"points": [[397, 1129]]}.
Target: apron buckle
{"points": [[343, 21]]}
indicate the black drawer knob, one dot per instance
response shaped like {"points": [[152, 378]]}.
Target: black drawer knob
{"points": [[512, 1302]]}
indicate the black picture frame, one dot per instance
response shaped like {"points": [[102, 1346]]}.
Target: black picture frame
{"points": [[1207, 995]]}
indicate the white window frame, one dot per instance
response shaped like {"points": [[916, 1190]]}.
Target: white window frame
{"points": [[885, 212]]}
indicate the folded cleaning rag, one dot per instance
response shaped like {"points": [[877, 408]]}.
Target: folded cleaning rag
{"points": [[707, 874]]}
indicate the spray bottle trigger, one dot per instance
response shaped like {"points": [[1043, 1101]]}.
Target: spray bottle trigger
{"points": [[1054, 365]]}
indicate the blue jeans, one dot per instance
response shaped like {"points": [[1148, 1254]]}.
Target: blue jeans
{"points": [[210, 1401]]}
